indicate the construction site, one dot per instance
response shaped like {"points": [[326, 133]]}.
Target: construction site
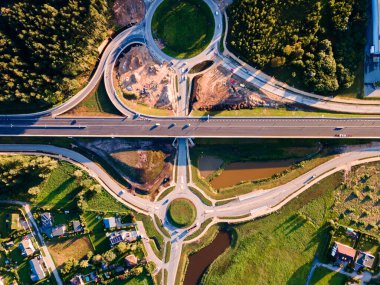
{"points": [[143, 80], [128, 12], [220, 89]]}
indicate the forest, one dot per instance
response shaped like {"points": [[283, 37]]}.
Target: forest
{"points": [[313, 44], [48, 48]]}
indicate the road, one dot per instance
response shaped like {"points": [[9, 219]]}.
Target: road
{"points": [[214, 127]]}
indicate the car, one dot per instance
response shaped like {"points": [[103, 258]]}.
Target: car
{"points": [[341, 135], [165, 202], [183, 78], [73, 122], [172, 125], [157, 124], [219, 26], [216, 13], [338, 128], [122, 192], [186, 126]]}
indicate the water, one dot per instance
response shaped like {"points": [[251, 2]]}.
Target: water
{"points": [[201, 260], [246, 171]]}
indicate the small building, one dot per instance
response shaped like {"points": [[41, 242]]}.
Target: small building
{"points": [[26, 246], [109, 223], [77, 280], [131, 260], [364, 259], [343, 253], [46, 220], [119, 236], [77, 226], [36, 267], [58, 231]]}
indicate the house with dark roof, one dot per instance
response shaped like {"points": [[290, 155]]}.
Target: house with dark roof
{"points": [[46, 220], [343, 253], [364, 259], [109, 223], [77, 226], [36, 267], [26, 246]]}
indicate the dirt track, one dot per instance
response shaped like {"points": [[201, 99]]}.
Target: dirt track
{"points": [[127, 12]]}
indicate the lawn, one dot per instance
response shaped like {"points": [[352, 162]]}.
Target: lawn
{"points": [[279, 249], [104, 202], [62, 250], [96, 103], [181, 213], [323, 276], [185, 27]]}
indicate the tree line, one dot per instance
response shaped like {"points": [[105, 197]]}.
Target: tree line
{"points": [[45, 46], [320, 41]]}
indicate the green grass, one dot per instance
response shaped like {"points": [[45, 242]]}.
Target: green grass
{"points": [[163, 194], [96, 103], [104, 202], [181, 213], [157, 240], [60, 189], [201, 197], [269, 112], [279, 249], [323, 276], [97, 234], [185, 27]]}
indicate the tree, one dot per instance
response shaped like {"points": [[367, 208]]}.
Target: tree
{"points": [[109, 255], [83, 263], [34, 191], [78, 174], [121, 247]]}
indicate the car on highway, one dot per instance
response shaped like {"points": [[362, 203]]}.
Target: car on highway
{"points": [[172, 125], [216, 13], [186, 126], [122, 192], [157, 124], [309, 179], [73, 122], [338, 128], [165, 202], [341, 135]]}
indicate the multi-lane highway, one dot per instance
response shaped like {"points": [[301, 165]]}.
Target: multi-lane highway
{"points": [[192, 127]]}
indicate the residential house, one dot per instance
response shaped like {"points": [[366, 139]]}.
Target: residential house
{"points": [[77, 280], [131, 260], [119, 236], [77, 226], [26, 246], [36, 267], [58, 231], [109, 223], [46, 220], [364, 259], [343, 253]]}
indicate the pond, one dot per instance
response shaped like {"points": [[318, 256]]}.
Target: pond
{"points": [[201, 260], [245, 171]]}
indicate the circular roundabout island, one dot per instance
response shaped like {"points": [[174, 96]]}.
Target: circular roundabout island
{"points": [[183, 28], [181, 213]]}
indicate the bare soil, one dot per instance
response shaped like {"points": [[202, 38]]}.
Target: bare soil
{"points": [[208, 165], [221, 89], [128, 12], [145, 81], [145, 165], [76, 248]]}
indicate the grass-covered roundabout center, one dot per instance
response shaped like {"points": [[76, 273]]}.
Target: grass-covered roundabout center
{"points": [[181, 213], [184, 27]]}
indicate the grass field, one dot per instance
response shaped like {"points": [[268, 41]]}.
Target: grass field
{"points": [[96, 103], [279, 249], [62, 250], [269, 112], [185, 27], [323, 276], [181, 213]]}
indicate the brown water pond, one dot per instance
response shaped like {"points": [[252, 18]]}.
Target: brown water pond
{"points": [[238, 171], [201, 260], [208, 164]]}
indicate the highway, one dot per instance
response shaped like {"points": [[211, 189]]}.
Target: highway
{"points": [[192, 127]]}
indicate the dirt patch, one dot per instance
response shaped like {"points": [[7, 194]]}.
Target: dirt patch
{"points": [[144, 165], [128, 12], [144, 81], [76, 248], [220, 89], [209, 164]]}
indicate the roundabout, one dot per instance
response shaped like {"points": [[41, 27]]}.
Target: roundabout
{"points": [[181, 213], [183, 28]]}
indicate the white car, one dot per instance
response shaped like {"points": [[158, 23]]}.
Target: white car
{"points": [[216, 13]]}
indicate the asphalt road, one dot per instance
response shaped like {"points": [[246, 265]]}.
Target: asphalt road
{"points": [[193, 127]]}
